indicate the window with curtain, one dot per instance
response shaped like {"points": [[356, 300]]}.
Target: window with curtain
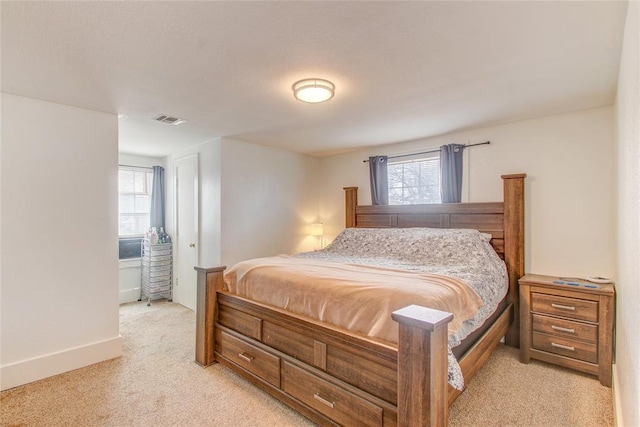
{"points": [[415, 181], [134, 186]]}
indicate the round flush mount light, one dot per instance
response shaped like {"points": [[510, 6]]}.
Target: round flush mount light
{"points": [[313, 90]]}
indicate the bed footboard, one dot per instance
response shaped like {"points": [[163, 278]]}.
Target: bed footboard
{"points": [[422, 366], [420, 361], [210, 280]]}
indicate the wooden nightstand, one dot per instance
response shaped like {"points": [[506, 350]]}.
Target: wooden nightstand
{"points": [[569, 325]]}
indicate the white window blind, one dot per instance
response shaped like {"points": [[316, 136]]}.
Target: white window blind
{"points": [[414, 181], [134, 186]]}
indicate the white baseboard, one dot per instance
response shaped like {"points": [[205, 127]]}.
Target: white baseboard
{"points": [[617, 404], [129, 295], [26, 371]]}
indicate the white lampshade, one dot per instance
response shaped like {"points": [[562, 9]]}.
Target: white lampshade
{"points": [[317, 229], [313, 90]]}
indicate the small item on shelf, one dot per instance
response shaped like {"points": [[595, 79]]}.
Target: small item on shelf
{"points": [[153, 237], [598, 279]]}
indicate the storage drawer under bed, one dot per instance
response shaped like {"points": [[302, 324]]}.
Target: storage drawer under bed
{"points": [[250, 357], [335, 402], [363, 370]]}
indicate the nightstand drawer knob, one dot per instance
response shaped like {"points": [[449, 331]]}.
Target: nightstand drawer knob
{"points": [[563, 307], [560, 328], [564, 347]]}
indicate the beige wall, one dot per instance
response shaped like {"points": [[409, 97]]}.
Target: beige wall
{"points": [[570, 199], [269, 197], [254, 201], [627, 372], [59, 307]]}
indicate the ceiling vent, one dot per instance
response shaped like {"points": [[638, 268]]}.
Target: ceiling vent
{"points": [[163, 118]]}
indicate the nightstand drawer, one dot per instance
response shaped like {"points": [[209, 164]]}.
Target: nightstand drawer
{"points": [[566, 347], [565, 328], [565, 307]]}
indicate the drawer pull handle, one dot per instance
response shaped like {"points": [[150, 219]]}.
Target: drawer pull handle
{"points": [[560, 328], [563, 307], [317, 397], [564, 347], [245, 357]]}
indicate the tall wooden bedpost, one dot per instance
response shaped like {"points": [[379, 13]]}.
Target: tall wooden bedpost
{"points": [[422, 366], [210, 280], [514, 246], [351, 201]]}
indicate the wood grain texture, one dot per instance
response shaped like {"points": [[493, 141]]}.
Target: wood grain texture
{"points": [[389, 411], [279, 394], [246, 324], [412, 375], [320, 355], [573, 308], [575, 349], [335, 402], [255, 360], [368, 365], [513, 193], [577, 333], [565, 328], [209, 280], [351, 201], [525, 322], [422, 376], [605, 338]]}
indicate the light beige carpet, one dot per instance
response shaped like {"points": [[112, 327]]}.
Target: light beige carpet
{"points": [[156, 383]]}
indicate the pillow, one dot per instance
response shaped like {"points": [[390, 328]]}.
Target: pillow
{"points": [[426, 246]]}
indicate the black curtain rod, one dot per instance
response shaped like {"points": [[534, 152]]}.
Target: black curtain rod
{"points": [[137, 167], [430, 151]]}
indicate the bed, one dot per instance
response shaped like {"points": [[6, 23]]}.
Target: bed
{"points": [[337, 376]]}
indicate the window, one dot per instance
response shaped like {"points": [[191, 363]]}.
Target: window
{"points": [[134, 201], [414, 181]]}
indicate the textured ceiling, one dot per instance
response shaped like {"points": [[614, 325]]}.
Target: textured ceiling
{"points": [[402, 70]]}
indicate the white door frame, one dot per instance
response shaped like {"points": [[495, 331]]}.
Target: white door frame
{"points": [[196, 211]]}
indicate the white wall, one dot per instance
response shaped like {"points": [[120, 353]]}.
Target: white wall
{"points": [[209, 158], [59, 306], [569, 204], [269, 198], [129, 274], [141, 161], [254, 201], [627, 368]]}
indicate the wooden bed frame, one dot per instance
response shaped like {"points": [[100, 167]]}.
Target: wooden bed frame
{"points": [[335, 377]]}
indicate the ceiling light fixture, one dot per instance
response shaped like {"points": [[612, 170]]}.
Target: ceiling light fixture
{"points": [[313, 90]]}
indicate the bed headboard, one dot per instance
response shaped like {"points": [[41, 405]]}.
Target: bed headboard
{"points": [[503, 220]]}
